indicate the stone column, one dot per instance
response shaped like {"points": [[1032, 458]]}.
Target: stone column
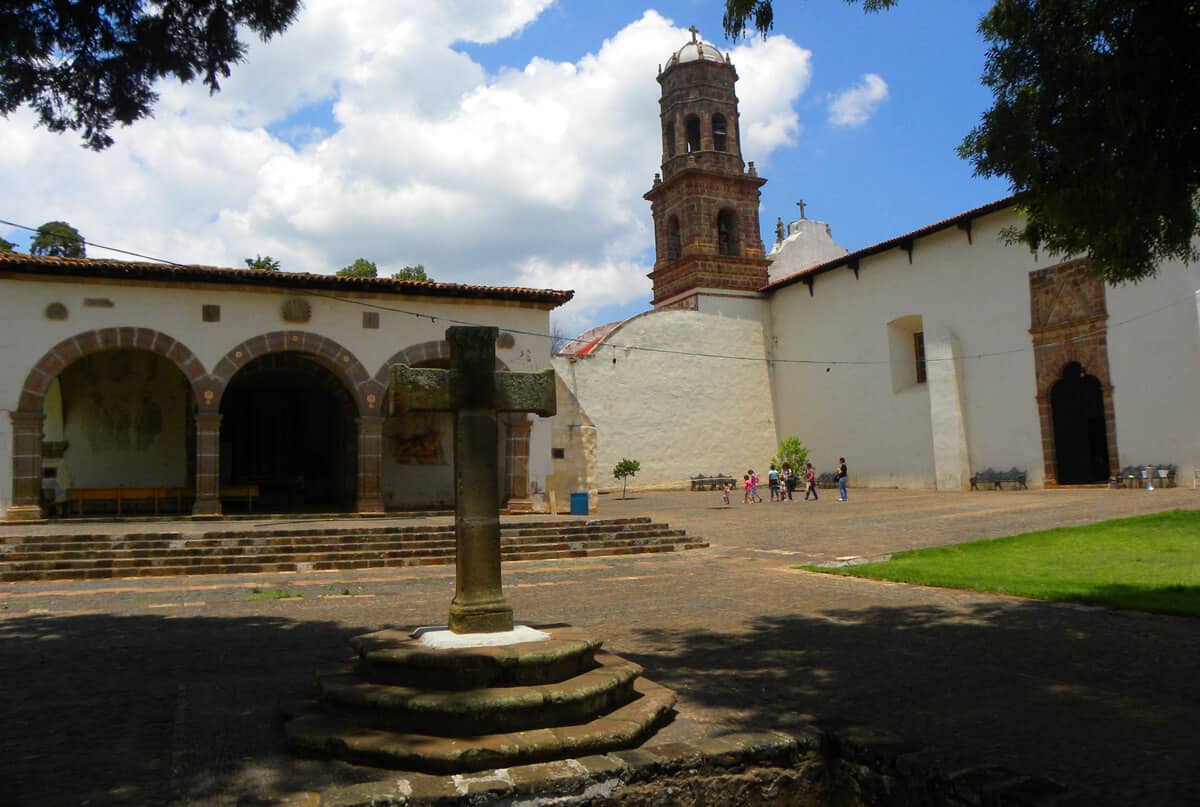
{"points": [[370, 463], [27, 467], [208, 466]]}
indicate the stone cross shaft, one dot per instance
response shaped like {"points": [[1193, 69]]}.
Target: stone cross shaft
{"points": [[475, 393]]}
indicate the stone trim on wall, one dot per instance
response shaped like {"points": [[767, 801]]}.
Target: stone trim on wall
{"points": [[1069, 323], [27, 420]]}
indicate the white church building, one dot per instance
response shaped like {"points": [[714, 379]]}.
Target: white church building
{"points": [[921, 359]]}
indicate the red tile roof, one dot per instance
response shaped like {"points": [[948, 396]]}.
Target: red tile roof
{"points": [[100, 269]]}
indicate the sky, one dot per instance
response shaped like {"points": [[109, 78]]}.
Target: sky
{"points": [[509, 142]]}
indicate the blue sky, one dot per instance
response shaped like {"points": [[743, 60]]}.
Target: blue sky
{"points": [[508, 142]]}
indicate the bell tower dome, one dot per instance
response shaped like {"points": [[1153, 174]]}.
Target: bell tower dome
{"points": [[705, 200]]}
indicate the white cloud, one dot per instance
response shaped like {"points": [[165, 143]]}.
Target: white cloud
{"points": [[528, 176], [855, 106]]}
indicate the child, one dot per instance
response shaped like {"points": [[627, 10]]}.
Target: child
{"points": [[773, 483], [745, 488], [725, 494], [754, 487]]}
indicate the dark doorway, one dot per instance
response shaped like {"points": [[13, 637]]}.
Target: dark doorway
{"points": [[1080, 431], [288, 427]]}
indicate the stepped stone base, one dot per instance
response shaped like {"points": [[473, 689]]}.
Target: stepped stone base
{"points": [[466, 709]]}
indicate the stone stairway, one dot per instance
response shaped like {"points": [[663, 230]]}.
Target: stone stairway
{"points": [[85, 556]]}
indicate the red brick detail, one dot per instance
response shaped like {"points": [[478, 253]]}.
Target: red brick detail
{"points": [[1069, 316]]}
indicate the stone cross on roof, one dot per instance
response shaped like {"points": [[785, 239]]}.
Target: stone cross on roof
{"points": [[801, 204], [475, 393], [695, 33]]}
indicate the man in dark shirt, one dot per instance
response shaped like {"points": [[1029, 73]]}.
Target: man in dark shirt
{"points": [[841, 479]]}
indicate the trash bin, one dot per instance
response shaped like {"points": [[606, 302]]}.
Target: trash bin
{"points": [[579, 503]]}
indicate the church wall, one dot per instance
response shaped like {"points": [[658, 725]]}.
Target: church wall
{"points": [[972, 298], [176, 311], [678, 415], [1154, 359]]}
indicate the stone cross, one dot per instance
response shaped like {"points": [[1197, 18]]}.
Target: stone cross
{"points": [[475, 393], [801, 205], [695, 32]]}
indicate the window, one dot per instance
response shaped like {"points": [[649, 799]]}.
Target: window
{"points": [[919, 355], [674, 238], [720, 132], [693, 133], [670, 135], [727, 233]]}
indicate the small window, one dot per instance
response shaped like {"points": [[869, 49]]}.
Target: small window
{"points": [[919, 355], [693, 133], [674, 238], [670, 135], [727, 234], [720, 132], [558, 453]]}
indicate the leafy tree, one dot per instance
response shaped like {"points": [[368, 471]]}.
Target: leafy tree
{"points": [[263, 263], [6, 245], [791, 452], [360, 268], [1096, 124], [412, 273], [58, 239], [626, 468], [87, 65]]}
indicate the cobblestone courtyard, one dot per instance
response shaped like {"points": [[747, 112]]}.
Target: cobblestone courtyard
{"points": [[164, 690]]}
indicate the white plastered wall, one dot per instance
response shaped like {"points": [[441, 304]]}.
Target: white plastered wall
{"points": [[678, 413], [175, 310], [973, 299]]}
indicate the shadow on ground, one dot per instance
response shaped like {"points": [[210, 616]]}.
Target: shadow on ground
{"points": [[1112, 713], [102, 709]]}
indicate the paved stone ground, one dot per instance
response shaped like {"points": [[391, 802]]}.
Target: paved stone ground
{"points": [[157, 691]]}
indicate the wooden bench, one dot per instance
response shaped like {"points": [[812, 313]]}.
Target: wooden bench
{"points": [[998, 479], [827, 480], [123, 497], [702, 482]]}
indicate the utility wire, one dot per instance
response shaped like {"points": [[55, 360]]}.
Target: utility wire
{"points": [[671, 351]]}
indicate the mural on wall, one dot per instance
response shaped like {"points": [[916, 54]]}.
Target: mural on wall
{"points": [[418, 441]]}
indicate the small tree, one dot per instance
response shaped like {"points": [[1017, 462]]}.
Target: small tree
{"points": [[263, 263], [360, 268], [58, 239], [412, 273], [792, 452], [626, 468]]}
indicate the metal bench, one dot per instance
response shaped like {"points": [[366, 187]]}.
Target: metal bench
{"points": [[992, 479], [702, 482]]}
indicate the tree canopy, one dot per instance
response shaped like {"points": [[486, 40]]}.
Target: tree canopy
{"points": [[263, 263], [58, 239], [88, 65], [360, 268], [412, 273], [6, 245], [1095, 124]]}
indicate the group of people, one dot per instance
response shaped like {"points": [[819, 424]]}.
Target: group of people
{"points": [[782, 483]]}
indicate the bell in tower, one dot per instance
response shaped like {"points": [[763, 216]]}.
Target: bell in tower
{"points": [[705, 201]]}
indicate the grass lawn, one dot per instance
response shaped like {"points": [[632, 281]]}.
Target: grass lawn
{"points": [[1147, 563]]}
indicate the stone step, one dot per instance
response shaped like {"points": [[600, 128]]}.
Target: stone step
{"points": [[221, 565], [242, 548], [485, 710], [348, 738], [395, 657]]}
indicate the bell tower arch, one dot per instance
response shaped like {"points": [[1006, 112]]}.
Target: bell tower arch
{"points": [[705, 199]]}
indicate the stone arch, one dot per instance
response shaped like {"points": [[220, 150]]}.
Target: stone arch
{"points": [[27, 420], [344, 364]]}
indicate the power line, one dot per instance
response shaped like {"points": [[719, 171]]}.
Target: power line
{"points": [[672, 351]]}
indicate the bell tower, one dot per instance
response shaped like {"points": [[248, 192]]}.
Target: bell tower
{"points": [[705, 200]]}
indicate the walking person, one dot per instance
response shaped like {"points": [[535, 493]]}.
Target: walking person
{"points": [[788, 479], [841, 479], [810, 483], [773, 482], [754, 487]]}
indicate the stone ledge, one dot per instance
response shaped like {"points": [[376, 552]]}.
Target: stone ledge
{"points": [[848, 766]]}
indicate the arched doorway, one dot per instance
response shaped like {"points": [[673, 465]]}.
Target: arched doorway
{"points": [[1080, 430], [288, 427]]}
